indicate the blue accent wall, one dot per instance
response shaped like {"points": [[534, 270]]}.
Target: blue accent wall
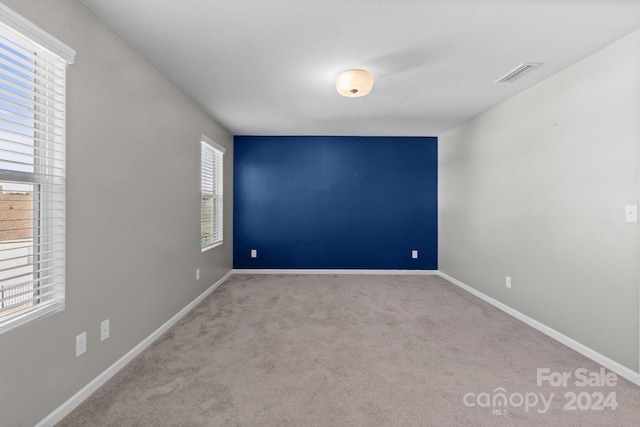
{"points": [[335, 202]]}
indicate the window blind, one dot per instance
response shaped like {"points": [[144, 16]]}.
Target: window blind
{"points": [[211, 208], [32, 173]]}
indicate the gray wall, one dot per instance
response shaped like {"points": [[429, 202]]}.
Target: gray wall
{"points": [[133, 211], [535, 189]]}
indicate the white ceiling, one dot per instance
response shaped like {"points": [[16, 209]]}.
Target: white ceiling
{"points": [[267, 67]]}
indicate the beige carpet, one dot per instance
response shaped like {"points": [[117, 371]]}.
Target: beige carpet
{"points": [[323, 350]]}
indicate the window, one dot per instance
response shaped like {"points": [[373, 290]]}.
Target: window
{"points": [[211, 191], [32, 171]]}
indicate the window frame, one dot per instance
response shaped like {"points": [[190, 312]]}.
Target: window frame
{"points": [[43, 172], [211, 189]]}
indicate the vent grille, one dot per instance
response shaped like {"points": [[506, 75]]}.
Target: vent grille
{"points": [[517, 72]]}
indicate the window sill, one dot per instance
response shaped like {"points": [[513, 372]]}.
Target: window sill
{"points": [[215, 245]]}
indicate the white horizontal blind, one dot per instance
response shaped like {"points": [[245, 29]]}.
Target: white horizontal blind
{"points": [[32, 178], [211, 218]]}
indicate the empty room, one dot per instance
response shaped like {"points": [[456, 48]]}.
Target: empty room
{"points": [[319, 213]]}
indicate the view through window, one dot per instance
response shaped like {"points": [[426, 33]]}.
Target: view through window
{"points": [[17, 145]]}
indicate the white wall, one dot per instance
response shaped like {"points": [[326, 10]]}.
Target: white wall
{"points": [[535, 189], [133, 211]]}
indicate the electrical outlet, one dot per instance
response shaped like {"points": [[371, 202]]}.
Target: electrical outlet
{"points": [[414, 253], [104, 330], [508, 282], [631, 213], [197, 274], [254, 253], [81, 343]]}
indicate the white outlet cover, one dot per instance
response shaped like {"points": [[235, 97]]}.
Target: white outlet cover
{"points": [[104, 330], [631, 213], [508, 282], [81, 343], [197, 274], [254, 253], [414, 253]]}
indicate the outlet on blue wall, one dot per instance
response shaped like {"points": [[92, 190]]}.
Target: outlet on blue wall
{"points": [[335, 202]]}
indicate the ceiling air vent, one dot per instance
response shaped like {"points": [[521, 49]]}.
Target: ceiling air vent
{"points": [[516, 72]]}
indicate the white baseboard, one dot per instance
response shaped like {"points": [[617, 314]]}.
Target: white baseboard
{"points": [[73, 402], [612, 365], [327, 271]]}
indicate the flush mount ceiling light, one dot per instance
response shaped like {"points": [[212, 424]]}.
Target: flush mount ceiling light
{"points": [[354, 83]]}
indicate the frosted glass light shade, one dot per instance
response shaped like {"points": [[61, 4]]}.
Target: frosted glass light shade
{"points": [[354, 83]]}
